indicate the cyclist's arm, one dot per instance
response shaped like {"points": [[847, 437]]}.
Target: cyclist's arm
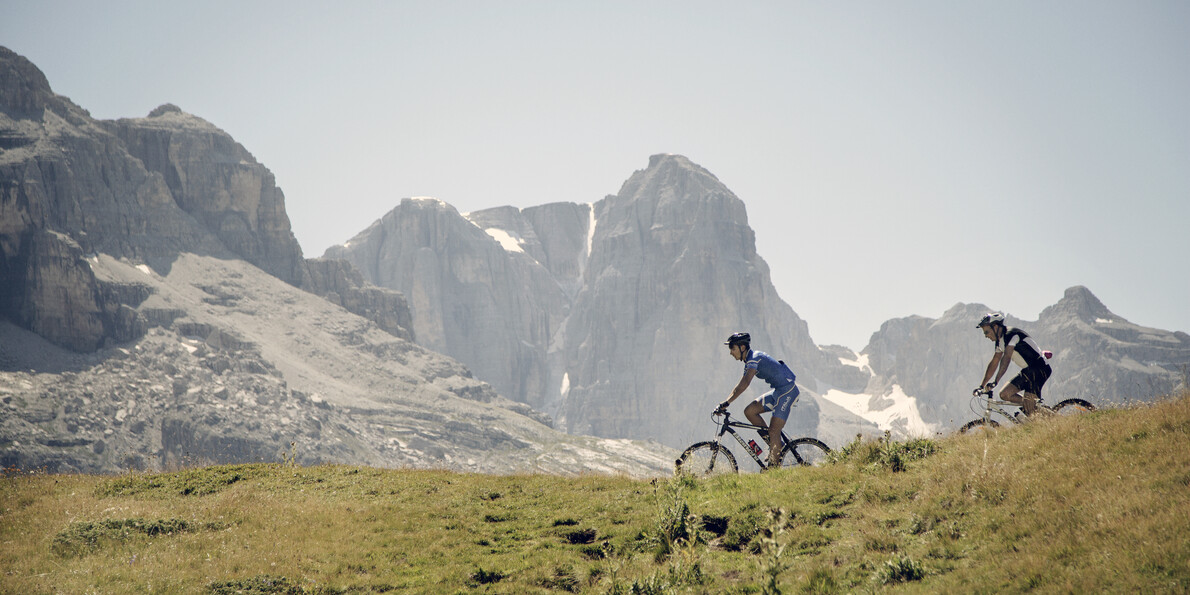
{"points": [[742, 386], [992, 365], [1005, 359]]}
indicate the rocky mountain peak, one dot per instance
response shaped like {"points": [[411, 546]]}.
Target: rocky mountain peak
{"points": [[169, 117], [25, 100], [425, 209], [673, 181], [146, 189], [476, 284], [672, 246], [23, 87], [427, 204], [674, 160], [584, 310], [1079, 303], [158, 253], [219, 183], [165, 108], [965, 312], [1098, 356]]}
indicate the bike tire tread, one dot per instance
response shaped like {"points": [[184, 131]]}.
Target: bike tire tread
{"points": [[811, 443], [1074, 403], [975, 423], [714, 450]]}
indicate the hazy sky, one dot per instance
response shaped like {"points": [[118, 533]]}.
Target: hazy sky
{"points": [[896, 158]]}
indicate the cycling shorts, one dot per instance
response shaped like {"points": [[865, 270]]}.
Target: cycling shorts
{"points": [[1031, 379], [779, 400]]}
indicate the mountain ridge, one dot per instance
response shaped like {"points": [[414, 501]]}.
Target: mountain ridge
{"points": [[1098, 356], [150, 262], [608, 316], [657, 223], [673, 230]]}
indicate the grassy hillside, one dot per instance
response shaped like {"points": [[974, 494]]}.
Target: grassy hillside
{"points": [[1089, 504]]}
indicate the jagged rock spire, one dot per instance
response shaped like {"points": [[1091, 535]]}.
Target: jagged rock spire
{"points": [[1080, 303]]}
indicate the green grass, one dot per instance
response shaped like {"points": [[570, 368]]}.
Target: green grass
{"points": [[1097, 503]]}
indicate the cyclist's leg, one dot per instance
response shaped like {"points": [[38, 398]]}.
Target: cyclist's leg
{"points": [[775, 445], [783, 399], [1029, 403], [1030, 381], [1041, 408], [753, 411], [1037, 380], [1011, 394]]}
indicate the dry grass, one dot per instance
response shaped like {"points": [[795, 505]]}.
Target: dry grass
{"points": [[1088, 504]]}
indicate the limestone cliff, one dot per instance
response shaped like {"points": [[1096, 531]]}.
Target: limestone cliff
{"points": [[68, 188], [146, 189], [342, 284], [609, 315], [156, 312], [673, 270], [487, 303], [219, 183]]}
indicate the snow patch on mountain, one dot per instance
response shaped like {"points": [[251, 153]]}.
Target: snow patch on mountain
{"points": [[510, 241], [896, 412], [860, 362], [506, 240], [591, 221]]}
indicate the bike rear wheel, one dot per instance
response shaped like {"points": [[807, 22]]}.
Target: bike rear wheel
{"points": [[989, 424], [804, 452], [705, 459], [1073, 407]]}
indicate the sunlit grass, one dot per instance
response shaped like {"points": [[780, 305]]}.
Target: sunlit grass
{"points": [[1094, 503]]}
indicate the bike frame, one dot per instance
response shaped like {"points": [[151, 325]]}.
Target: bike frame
{"points": [[991, 406], [994, 406], [726, 427]]}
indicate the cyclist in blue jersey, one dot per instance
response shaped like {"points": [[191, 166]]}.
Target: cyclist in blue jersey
{"points": [[778, 400], [1014, 345]]}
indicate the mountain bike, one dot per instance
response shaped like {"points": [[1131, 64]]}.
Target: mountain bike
{"points": [[984, 405], [712, 457]]}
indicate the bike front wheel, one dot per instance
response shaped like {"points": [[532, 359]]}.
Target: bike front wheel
{"points": [[1073, 407], [804, 452], [705, 459], [988, 424]]}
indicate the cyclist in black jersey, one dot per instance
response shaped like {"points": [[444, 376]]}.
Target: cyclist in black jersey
{"points": [[1014, 345]]}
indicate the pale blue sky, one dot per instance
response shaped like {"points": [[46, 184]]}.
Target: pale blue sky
{"points": [[895, 157]]}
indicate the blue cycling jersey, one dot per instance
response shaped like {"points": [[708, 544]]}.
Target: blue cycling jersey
{"points": [[768, 369]]}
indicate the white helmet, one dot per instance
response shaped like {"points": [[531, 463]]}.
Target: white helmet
{"points": [[991, 317]]}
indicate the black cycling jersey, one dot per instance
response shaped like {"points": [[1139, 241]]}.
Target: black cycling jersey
{"points": [[1025, 352]]}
